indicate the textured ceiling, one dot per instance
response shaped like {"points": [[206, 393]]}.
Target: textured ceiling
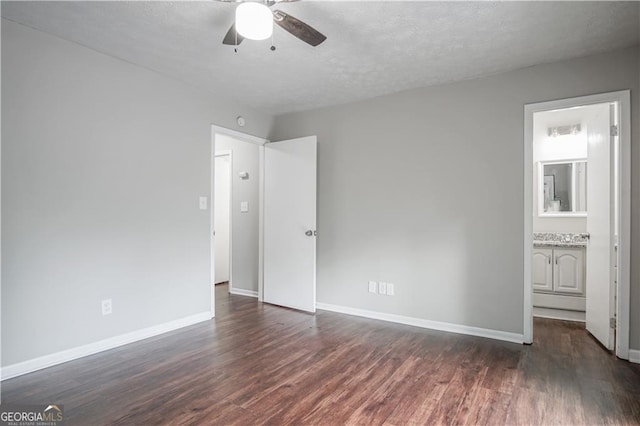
{"points": [[373, 48]]}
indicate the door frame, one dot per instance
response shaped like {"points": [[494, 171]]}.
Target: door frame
{"points": [[224, 153], [623, 98], [244, 137]]}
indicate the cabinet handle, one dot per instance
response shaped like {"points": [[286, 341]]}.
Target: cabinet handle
{"points": [[549, 259], [556, 260]]}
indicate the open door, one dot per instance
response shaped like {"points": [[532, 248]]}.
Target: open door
{"points": [[600, 226], [290, 223]]}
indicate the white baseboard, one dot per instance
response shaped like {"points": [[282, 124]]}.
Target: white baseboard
{"points": [[634, 356], [559, 314], [418, 322], [559, 301], [243, 292], [50, 360]]}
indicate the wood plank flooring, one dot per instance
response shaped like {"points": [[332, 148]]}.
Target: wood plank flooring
{"points": [[259, 364]]}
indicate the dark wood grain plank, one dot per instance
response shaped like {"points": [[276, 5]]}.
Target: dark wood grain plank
{"points": [[260, 364]]}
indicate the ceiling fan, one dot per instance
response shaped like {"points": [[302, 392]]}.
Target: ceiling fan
{"points": [[254, 20]]}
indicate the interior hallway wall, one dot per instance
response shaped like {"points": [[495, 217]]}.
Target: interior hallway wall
{"points": [[222, 216], [246, 158]]}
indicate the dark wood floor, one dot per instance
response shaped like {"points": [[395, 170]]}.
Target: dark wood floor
{"points": [[260, 364]]}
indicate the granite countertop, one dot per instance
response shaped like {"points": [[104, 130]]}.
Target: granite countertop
{"points": [[559, 239]]}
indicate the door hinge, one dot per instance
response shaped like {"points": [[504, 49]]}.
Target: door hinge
{"points": [[612, 323], [614, 130]]}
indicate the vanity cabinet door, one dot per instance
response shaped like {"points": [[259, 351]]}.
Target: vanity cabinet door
{"points": [[568, 274], [542, 269]]}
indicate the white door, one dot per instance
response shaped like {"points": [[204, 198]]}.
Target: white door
{"points": [[222, 204], [290, 223], [600, 222], [542, 270]]}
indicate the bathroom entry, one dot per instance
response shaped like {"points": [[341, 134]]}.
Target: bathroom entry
{"points": [[576, 217], [572, 152]]}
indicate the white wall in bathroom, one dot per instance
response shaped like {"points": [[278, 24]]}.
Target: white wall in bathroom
{"points": [[567, 147]]}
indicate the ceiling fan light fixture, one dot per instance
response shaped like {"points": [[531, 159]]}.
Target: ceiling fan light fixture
{"points": [[254, 21]]}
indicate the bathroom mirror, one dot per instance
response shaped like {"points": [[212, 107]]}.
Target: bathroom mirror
{"points": [[562, 188]]}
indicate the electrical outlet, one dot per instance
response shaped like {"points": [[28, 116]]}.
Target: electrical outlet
{"points": [[373, 287], [390, 289], [107, 307], [382, 288]]}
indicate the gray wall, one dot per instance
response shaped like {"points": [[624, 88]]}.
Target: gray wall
{"points": [[246, 157], [424, 189], [102, 166]]}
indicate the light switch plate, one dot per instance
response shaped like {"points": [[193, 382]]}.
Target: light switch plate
{"points": [[373, 287], [202, 203], [244, 206]]}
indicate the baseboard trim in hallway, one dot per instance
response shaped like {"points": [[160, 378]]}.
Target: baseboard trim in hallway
{"points": [[634, 356], [18, 369], [243, 292], [423, 323]]}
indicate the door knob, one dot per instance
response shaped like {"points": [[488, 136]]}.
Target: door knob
{"points": [[309, 233]]}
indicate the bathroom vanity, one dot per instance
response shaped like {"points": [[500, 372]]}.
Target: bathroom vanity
{"points": [[559, 275]]}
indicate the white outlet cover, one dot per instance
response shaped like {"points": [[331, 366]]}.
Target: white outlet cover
{"points": [[390, 289], [202, 202], [382, 288], [244, 206], [107, 307], [373, 287]]}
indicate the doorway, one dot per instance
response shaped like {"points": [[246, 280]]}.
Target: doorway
{"points": [[577, 215], [272, 216], [236, 179]]}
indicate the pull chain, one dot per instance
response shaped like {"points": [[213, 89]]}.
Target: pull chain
{"points": [[273, 47]]}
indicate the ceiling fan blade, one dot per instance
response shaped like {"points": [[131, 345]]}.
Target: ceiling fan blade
{"points": [[232, 37], [298, 28], [272, 2]]}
